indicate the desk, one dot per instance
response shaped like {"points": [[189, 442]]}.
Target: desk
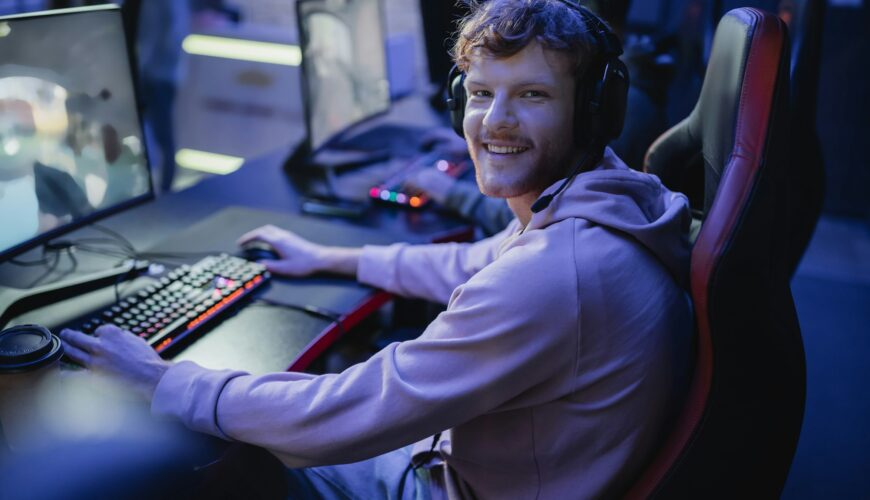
{"points": [[258, 340]]}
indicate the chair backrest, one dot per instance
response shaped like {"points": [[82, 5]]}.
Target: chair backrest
{"points": [[736, 435]]}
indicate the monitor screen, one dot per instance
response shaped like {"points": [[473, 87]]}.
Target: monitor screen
{"points": [[71, 145], [344, 65]]}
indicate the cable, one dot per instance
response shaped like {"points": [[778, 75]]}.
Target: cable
{"points": [[117, 236]]}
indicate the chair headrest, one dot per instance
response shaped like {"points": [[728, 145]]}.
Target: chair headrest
{"points": [[712, 131]]}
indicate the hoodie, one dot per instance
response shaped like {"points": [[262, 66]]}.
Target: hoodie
{"points": [[554, 369]]}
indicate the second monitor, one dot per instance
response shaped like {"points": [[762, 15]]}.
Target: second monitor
{"points": [[344, 65]]}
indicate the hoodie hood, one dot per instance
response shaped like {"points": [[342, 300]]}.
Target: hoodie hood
{"points": [[634, 203]]}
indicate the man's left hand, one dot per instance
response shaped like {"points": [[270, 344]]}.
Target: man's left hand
{"points": [[119, 354]]}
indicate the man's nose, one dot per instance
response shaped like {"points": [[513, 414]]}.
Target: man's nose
{"points": [[500, 114]]}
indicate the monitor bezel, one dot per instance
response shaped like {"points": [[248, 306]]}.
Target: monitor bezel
{"points": [[9, 253], [303, 43]]}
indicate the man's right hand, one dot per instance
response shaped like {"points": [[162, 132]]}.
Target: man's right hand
{"points": [[300, 257], [432, 182]]}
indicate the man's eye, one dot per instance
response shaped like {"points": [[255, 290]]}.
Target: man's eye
{"points": [[481, 93], [533, 93]]}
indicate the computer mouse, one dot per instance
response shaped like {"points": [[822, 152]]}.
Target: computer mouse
{"points": [[257, 250]]}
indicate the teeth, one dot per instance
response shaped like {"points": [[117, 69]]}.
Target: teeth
{"points": [[504, 150]]}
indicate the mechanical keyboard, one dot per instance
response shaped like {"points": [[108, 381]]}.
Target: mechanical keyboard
{"points": [[184, 300]]}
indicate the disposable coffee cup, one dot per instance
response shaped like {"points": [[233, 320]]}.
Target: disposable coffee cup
{"points": [[29, 354]]}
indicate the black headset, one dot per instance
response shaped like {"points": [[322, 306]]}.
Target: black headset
{"points": [[599, 110]]}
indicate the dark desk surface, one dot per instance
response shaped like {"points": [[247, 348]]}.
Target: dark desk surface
{"points": [[257, 338]]}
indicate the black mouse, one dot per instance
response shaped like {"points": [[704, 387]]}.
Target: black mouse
{"points": [[257, 250]]}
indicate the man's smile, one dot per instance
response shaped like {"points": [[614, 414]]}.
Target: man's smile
{"points": [[505, 150]]}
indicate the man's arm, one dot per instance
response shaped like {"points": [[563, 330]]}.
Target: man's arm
{"points": [[429, 272], [488, 348], [495, 342]]}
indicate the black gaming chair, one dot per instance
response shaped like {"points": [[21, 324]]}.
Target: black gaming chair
{"points": [[737, 434]]}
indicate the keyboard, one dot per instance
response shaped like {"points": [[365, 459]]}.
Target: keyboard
{"points": [[184, 300], [393, 190]]}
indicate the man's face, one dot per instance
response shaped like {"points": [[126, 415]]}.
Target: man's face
{"points": [[519, 120]]}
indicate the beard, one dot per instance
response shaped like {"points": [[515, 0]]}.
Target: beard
{"points": [[532, 171]]}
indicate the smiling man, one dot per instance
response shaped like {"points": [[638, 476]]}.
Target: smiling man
{"points": [[519, 122], [560, 356]]}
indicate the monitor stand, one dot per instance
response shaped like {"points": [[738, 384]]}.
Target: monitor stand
{"points": [[15, 302]]}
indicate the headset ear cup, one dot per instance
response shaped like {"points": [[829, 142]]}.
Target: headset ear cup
{"points": [[601, 105], [456, 101], [586, 112], [614, 99]]}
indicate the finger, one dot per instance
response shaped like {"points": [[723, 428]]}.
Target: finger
{"points": [[413, 179], [280, 267], [76, 354], [79, 340], [256, 234], [107, 329], [249, 236]]}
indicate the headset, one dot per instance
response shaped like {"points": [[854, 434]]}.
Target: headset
{"points": [[599, 105]]}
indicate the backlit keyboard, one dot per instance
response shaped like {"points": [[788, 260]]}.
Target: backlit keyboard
{"points": [[184, 300]]}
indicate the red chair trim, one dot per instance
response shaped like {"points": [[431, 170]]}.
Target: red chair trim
{"points": [[756, 101]]}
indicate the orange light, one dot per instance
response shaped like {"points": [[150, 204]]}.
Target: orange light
{"points": [[415, 201], [162, 345]]}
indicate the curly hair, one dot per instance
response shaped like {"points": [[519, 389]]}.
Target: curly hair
{"points": [[502, 28]]}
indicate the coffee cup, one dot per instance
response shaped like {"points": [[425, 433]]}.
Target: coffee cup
{"points": [[29, 355]]}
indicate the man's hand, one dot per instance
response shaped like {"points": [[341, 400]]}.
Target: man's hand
{"points": [[300, 257], [119, 354], [432, 182]]}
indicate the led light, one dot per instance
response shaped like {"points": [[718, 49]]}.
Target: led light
{"points": [[402, 198], [415, 201], [204, 161], [385, 195], [162, 345], [374, 192], [392, 196], [244, 50], [442, 165]]}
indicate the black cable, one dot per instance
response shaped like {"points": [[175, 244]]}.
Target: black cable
{"points": [[117, 236], [54, 265], [30, 263], [417, 462]]}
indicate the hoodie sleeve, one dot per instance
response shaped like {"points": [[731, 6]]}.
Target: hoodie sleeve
{"points": [[428, 272], [481, 353], [492, 215]]}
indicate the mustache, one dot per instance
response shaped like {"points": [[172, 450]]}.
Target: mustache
{"points": [[508, 138]]}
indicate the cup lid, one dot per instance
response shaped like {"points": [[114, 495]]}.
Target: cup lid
{"points": [[28, 347]]}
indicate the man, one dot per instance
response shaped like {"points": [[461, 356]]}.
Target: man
{"points": [[553, 370]]}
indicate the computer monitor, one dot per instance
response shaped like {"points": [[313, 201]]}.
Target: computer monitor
{"points": [[71, 143], [344, 66]]}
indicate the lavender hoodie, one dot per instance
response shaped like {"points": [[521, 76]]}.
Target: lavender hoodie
{"points": [[556, 364]]}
